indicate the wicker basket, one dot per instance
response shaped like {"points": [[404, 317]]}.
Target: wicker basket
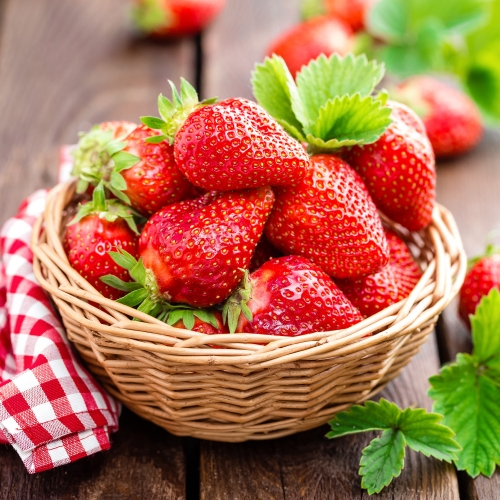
{"points": [[258, 386]]}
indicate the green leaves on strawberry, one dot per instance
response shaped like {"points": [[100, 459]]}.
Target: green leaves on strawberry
{"points": [[143, 294], [330, 106], [467, 393], [100, 157], [383, 459], [173, 113]]}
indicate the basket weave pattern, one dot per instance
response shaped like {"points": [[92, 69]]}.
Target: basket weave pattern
{"points": [[244, 386]]}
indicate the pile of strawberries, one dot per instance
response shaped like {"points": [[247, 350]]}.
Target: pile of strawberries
{"points": [[215, 218]]}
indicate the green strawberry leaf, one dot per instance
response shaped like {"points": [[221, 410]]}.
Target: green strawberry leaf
{"points": [[138, 273], [347, 121], [485, 324], [150, 15], [467, 392], [470, 402], [124, 160], [273, 86], [123, 259], [134, 298], [156, 139], [126, 286], [382, 460], [114, 146], [153, 122], [325, 79], [330, 106], [117, 181]]}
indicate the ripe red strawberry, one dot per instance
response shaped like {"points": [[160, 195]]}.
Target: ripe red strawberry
{"points": [[172, 18], [289, 296], [399, 170], [234, 144], [393, 283], [452, 120], [320, 35], [352, 12], [330, 218], [136, 169], [481, 278], [99, 228], [263, 252], [194, 252]]}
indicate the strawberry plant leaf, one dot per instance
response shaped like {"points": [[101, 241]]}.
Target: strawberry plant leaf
{"points": [[424, 432], [138, 273], [467, 392], [347, 121], [114, 146], [119, 194], [117, 181], [325, 79], [273, 86], [469, 399], [382, 460], [485, 324], [150, 15]]}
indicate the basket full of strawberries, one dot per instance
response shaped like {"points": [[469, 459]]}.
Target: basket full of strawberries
{"points": [[233, 270]]}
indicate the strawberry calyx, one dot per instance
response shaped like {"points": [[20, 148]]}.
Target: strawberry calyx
{"points": [[100, 157], [151, 15], [144, 295], [109, 210], [174, 113], [237, 304]]}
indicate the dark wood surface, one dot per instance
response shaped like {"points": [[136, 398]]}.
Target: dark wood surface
{"points": [[65, 65]]}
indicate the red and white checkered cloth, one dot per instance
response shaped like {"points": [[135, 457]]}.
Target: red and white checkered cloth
{"points": [[51, 409]]}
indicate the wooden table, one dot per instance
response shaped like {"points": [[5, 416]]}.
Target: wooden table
{"points": [[65, 65]]}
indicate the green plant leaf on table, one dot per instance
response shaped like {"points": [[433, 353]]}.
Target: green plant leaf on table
{"points": [[467, 393], [383, 459], [330, 106]]}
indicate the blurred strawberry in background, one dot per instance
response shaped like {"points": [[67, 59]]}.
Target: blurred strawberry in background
{"points": [[352, 12], [451, 118], [173, 18], [320, 35]]}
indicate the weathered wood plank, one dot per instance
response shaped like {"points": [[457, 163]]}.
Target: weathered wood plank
{"points": [[63, 67], [469, 187], [308, 466], [238, 39], [145, 462], [305, 465]]}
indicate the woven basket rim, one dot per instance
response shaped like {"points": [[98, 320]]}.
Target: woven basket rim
{"points": [[445, 268]]}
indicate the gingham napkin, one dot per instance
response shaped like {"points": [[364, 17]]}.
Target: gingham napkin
{"points": [[51, 410]]}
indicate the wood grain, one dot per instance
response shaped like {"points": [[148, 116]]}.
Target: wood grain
{"points": [[144, 462], [469, 187], [308, 466], [64, 66]]}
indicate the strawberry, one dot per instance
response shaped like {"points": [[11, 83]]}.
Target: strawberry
{"points": [[452, 120], [173, 18], [352, 12], [399, 170], [233, 144], [330, 219], [263, 252], [99, 227], [393, 283], [289, 296], [308, 40], [483, 275], [195, 252], [134, 166]]}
